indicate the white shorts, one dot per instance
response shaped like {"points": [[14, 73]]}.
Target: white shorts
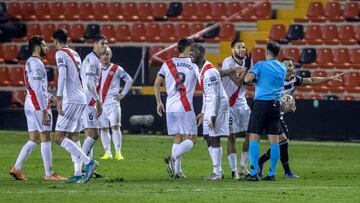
{"points": [[34, 119], [89, 119], [183, 123], [111, 114], [71, 121], [221, 125], [239, 118]]}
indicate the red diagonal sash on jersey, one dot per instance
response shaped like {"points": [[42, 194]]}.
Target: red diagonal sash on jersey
{"points": [[108, 81], [31, 91], [207, 67], [234, 96], [172, 67], [92, 101], [68, 52]]}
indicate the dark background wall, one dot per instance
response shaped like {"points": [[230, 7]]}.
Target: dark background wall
{"points": [[318, 120]]}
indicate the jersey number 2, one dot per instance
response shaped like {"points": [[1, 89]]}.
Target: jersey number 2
{"points": [[180, 82]]}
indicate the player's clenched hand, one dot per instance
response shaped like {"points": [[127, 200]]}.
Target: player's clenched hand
{"points": [[200, 119], [46, 117], [119, 97], [212, 122], [59, 105], [160, 109], [337, 77], [98, 108]]}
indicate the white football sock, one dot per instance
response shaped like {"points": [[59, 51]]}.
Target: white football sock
{"points": [[77, 162], [91, 154], [117, 139], [221, 154], [47, 157], [88, 144], [177, 166], [24, 154], [183, 147], [106, 140], [75, 150], [217, 160], [244, 159], [232, 161]]}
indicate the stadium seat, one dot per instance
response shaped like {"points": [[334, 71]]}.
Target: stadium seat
{"points": [[315, 12], [277, 33], [129, 11], [292, 53], [102, 11], [313, 35], [308, 55], [357, 33], [109, 31], [122, 33], [153, 32], [144, 11], [352, 82], [14, 10], [196, 27], [336, 86], [355, 58], [298, 96], [18, 98], [76, 32], [47, 31], [4, 76], [249, 11], [182, 30], [347, 34], [333, 12], [324, 58], [33, 29], [342, 58], [138, 31], [155, 49], [115, 11], [71, 10], [313, 97], [50, 72], [1, 54], [218, 10], [91, 31], [42, 11], [23, 54], [295, 32], [168, 33], [174, 10], [258, 54], [28, 11], [159, 10], [63, 25], [16, 76], [86, 11], [351, 10], [57, 11], [329, 34], [303, 73], [172, 53], [10, 53], [204, 10], [319, 73], [349, 98], [263, 10], [227, 32], [188, 12], [233, 8]]}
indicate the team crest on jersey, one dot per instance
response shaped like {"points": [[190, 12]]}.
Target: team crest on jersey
{"points": [[213, 79]]}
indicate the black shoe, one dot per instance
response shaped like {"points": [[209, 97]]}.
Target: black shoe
{"points": [[98, 175], [170, 165], [269, 178], [251, 178]]}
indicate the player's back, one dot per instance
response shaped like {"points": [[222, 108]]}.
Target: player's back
{"points": [[36, 82], [180, 79], [235, 93], [73, 91], [90, 73]]}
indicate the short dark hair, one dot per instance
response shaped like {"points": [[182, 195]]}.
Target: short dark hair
{"points": [[33, 42], [273, 48], [287, 59], [60, 35], [199, 47], [184, 43], [235, 42], [98, 37]]}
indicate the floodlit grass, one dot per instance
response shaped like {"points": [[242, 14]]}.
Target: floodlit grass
{"points": [[329, 171]]}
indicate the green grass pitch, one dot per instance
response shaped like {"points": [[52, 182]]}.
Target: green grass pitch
{"points": [[329, 171]]}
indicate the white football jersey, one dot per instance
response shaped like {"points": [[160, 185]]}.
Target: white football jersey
{"points": [[37, 96], [68, 63], [235, 93], [91, 75], [110, 84], [180, 76], [215, 98]]}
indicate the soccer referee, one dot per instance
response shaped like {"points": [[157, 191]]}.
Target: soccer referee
{"points": [[269, 78]]}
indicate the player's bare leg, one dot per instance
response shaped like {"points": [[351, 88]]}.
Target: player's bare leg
{"points": [[25, 152], [231, 150], [244, 159]]}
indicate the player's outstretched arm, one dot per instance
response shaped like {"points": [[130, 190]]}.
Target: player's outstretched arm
{"points": [[157, 85], [320, 80]]}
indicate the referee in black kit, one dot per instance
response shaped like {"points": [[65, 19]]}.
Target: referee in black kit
{"points": [[269, 78]]}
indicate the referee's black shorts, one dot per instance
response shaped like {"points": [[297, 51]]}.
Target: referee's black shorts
{"points": [[265, 118]]}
